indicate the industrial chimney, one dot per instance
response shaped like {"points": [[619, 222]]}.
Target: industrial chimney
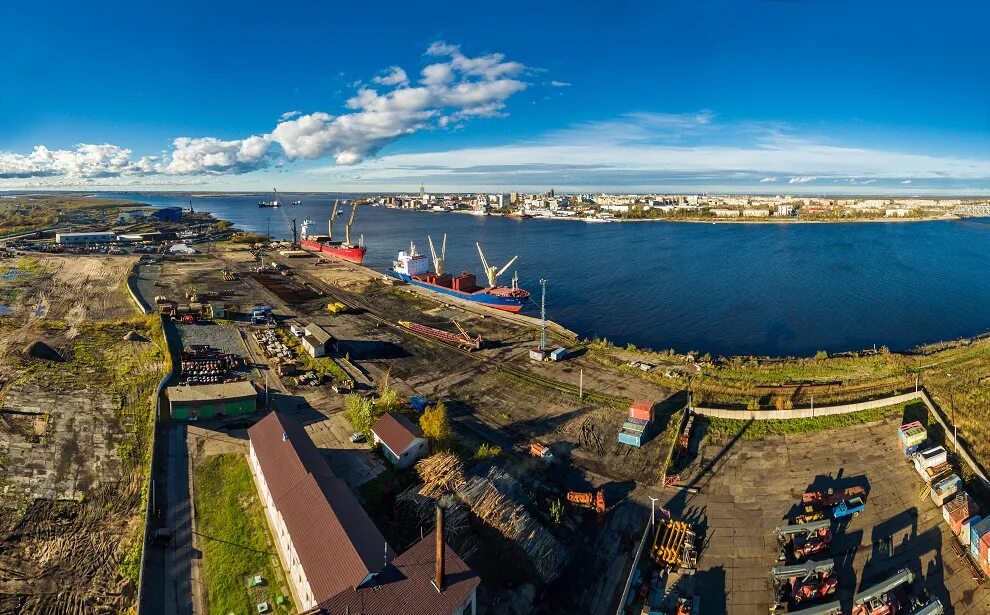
{"points": [[438, 579]]}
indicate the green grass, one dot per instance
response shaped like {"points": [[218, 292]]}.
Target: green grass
{"points": [[759, 430], [324, 366], [234, 535]]}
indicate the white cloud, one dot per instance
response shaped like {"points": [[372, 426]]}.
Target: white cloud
{"points": [[560, 84], [394, 76], [454, 89], [767, 180], [802, 180]]}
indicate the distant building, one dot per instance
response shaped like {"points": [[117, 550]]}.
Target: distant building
{"points": [[897, 212], [167, 214], [317, 341], [402, 441], [785, 210], [206, 401], [69, 239], [335, 558], [726, 213], [756, 213]]}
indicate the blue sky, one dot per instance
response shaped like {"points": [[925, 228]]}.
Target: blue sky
{"points": [[772, 96]]}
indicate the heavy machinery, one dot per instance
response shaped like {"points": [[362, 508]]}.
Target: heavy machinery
{"points": [[800, 540], [462, 341], [674, 545], [800, 584], [818, 505], [882, 598], [538, 449], [594, 501]]}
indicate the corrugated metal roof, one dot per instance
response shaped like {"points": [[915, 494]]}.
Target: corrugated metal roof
{"points": [[396, 431], [211, 392], [337, 543], [406, 586], [318, 332]]}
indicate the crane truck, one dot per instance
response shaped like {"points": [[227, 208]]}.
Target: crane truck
{"points": [[800, 584]]}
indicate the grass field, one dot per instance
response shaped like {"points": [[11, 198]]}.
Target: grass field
{"points": [[758, 430], [234, 537]]}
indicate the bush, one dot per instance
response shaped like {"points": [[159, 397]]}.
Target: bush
{"points": [[754, 404], [436, 425], [488, 451]]}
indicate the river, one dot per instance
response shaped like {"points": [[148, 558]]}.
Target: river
{"points": [[724, 289]]}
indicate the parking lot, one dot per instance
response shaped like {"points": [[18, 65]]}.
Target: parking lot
{"points": [[747, 487]]}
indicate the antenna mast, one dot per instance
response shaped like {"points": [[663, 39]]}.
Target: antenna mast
{"points": [[543, 316]]}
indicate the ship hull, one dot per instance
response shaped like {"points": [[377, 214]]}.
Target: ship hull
{"points": [[506, 304], [351, 254]]}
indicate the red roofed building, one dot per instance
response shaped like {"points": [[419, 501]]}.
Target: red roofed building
{"points": [[402, 440], [330, 549]]}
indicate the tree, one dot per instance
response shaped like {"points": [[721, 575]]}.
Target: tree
{"points": [[436, 425]]}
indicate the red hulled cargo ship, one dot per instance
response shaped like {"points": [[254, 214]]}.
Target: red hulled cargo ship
{"points": [[344, 250]]}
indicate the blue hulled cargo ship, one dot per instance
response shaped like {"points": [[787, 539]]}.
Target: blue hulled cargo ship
{"points": [[414, 268]]}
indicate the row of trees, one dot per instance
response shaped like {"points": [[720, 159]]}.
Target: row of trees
{"points": [[363, 412]]}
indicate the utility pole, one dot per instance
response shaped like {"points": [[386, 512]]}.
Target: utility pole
{"points": [[581, 385], [543, 316], [653, 510]]}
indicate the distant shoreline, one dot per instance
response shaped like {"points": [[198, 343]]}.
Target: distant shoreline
{"points": [[739, 220]]}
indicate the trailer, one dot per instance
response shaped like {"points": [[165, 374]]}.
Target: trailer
{"points": [[801, 584], [797, 541], [461, 340]]}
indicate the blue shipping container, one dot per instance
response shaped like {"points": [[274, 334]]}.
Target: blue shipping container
{"points": [[633, 428], [630, 438], [642, 422], [911, 450], [976, 531], [558, 354]]}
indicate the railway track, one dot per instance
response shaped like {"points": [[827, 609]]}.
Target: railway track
{"points": [[513, 372]]}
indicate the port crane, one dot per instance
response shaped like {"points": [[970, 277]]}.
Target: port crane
{"points": [[438, 263], [492, 271]]}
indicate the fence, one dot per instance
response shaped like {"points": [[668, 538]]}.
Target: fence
{"points": [[805, 413]]}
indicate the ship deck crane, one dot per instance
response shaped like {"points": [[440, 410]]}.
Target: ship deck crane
{"points": [[290, 225], [438, 263], [350, 221], [333, 214], [491, 271]]}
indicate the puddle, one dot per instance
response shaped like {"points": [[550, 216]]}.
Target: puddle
{"points": [[9, 274], [5, 310], [41, 310]]}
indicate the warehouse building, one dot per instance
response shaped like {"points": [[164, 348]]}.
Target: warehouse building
{"points": [[206, 401], [335, 559], [317, 341], [167, 214], [69, 239]]}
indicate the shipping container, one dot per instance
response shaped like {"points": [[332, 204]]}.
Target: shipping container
{"points": [[984, 546], [931, 457], [960, 504], [631, 439], [558, 354], [641, 410], [633, 419], [977, 529], [633, 428], [914, 448], [912, 434], [965, 529], [945, 489]]}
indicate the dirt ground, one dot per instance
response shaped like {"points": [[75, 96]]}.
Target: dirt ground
{"points": [[75, 414]]}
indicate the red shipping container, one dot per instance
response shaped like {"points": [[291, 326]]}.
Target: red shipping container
{"points": [[985, 567], [641, 410], [958, 516], [984, 547]]}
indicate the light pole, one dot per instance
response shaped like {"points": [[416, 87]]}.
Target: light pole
{"points": [[952, 407], [653, 510]]}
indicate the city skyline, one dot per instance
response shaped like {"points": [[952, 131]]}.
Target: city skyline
{"points": [[811, 97]]}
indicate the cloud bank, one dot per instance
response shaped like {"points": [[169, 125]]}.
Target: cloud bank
{"points": [[450, 91]]}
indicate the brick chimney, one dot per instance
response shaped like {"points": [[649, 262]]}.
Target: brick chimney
{"points": [[438, 578]]}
